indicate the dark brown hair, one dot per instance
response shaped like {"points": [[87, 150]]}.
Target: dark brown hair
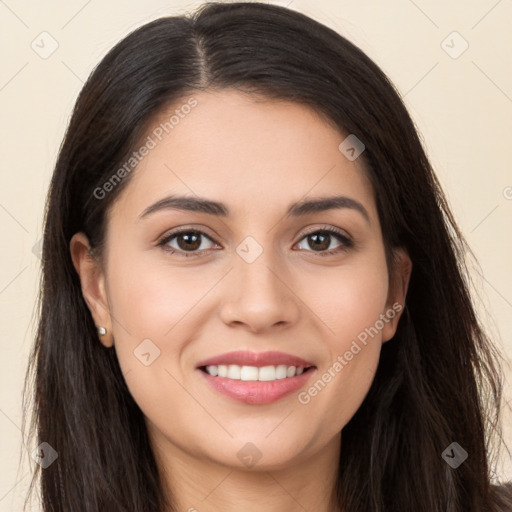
{"points": [[439, 380]]}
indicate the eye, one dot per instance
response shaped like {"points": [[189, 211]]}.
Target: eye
{"points": [[189, 242], [320, 241], [185, 241]]}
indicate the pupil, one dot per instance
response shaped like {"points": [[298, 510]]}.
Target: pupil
{"points": [[191, 241], [324, 244]]}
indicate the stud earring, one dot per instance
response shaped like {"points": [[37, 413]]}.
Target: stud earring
{"points": [[102, 331]]}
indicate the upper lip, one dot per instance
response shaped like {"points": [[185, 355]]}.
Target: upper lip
{"points": [[246, 358]]}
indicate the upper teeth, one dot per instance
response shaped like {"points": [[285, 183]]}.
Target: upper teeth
{"points": [[265, 373]]}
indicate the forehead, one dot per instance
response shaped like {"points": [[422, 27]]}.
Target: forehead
{"points": [[253, 152]]}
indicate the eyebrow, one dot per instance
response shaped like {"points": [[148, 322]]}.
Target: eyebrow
{"points": [[298, 209]]}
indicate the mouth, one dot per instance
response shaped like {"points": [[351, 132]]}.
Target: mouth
{"points": [[256, 378]]}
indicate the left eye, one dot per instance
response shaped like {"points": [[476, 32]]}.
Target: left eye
{"points": [[320, 241]]}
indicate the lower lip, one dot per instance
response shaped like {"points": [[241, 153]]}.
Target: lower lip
{"points": [[257, 392]]}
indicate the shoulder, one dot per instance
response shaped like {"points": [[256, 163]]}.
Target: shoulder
{"points": [[502, 497]]}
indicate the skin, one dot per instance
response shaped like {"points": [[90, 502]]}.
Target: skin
{"points": [[257, 157]]}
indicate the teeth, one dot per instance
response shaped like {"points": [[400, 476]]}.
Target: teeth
{"points": [[249, 373], [233, 372], [246, 373], [281, 371], [267, 373]]}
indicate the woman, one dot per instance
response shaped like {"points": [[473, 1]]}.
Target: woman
{"points": [[254, 294]]}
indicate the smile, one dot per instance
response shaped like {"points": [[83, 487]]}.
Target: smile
{"points": [[256, 377], [253, 373]]}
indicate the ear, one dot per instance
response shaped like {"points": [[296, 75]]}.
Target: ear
{"points": [[399, 284], [92, 279]]}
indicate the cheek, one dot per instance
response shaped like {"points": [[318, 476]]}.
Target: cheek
{"points": [[348, 299], [150, 298], [154, 307], [149, 333]]}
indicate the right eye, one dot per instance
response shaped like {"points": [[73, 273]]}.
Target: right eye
{"points": [[188, 242]]}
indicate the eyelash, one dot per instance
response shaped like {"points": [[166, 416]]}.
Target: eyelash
{"points": [[346, 242]]}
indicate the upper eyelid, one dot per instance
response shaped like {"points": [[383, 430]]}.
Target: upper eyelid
{"points": [[336, 231]]}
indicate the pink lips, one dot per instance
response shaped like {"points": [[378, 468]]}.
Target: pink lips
{"points": [[257, 392]]}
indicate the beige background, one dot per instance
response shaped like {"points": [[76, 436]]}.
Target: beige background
{"points": [[461, 105]]}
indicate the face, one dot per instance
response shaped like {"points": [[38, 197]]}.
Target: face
{"points": [[254, 288]]}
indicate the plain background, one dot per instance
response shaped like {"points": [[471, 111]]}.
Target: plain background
{"points": [[460, 99]]}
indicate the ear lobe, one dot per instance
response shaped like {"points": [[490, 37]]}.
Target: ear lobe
{"points": [[92, 279], [400, 277]]}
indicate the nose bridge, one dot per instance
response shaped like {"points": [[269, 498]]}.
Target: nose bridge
{"points": [[256, 267], [259, 296]]}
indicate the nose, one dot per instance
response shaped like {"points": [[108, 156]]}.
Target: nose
{"points": [[260, 296]]}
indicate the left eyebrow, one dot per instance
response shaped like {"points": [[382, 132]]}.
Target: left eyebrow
{"points": [[297, 209], [327, 203]]}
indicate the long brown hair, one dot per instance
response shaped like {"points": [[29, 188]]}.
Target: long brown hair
{"points": [[439, 380]]}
